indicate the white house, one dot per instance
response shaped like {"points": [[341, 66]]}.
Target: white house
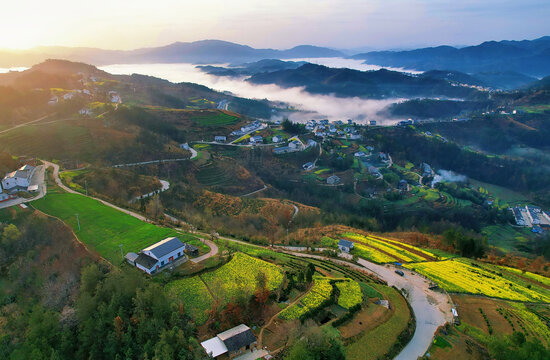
{"points": [[19, 179], [163, 253], [256, 139], [232, 342], [68, 96], [333, 180], [3, 195], [359, 154], [277, 139], [85, 111], [53, 100], [345, 245], [220, 138], [308, 166]]}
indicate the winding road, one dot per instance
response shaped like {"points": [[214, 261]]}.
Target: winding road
{"points": [[432, 309]]}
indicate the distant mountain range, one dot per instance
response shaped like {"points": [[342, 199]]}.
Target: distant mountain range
{"points": [[383, 83], [201, 52], [530, 57]]}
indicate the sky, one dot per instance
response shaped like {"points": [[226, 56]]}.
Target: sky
{"points": [[376, 24]]}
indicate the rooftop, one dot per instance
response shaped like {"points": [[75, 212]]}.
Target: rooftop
{"points": [[165, 246], [146, 261]]}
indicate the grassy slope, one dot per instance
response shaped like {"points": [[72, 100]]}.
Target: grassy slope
{"points": [[104, 228], [376, 343]]}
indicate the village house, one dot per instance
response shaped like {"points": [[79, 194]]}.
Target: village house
{"points": [[359, 154], [220, 138], [372, 123], [333, 180], [158, 255], [85, 111], [18, 180], [311, 143], [295, 145], [3, 195], [277, 139], [308, 166], [184, 146], [345, 245], [231, 343], [403, 185], [256, 139], [53, 100], [282, 150]]}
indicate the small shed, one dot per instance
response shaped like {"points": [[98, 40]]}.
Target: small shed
{"points": [[345, 245], [131, 258], [191, 250]]}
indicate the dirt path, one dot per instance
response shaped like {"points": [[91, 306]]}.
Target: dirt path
{"points": [[254, 192], [261, 335], [25, 124]]}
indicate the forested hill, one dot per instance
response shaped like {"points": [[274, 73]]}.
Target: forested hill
{"points": [[526, 57], [382, 83]]}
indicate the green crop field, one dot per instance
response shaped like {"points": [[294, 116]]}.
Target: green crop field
{"points": [[215, 119], [350, 293], [194, 296], [236, 278], [103, 228]]}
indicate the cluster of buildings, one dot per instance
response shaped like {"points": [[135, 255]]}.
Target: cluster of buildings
{"points": [[336, 129], [532, 216], [164, 253], [255, 125]]}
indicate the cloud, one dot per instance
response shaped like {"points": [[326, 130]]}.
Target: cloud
{"points": [[312, 106]]}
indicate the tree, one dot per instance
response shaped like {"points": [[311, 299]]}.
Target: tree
{"points": [[154, 208], [10, 235]]}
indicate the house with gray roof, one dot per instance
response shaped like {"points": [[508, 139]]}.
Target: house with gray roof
{"points": [[345, 245], [158, 255], [230, 343], [18, 180]]}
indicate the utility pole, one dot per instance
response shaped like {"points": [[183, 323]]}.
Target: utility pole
{"points": [[86, 183], [78, 221], [121, 253]]}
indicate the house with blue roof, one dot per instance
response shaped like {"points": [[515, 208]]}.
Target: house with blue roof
{"points": [[159, 255], [345, 245]]}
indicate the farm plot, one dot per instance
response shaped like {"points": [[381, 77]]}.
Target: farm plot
{"points": [[315, 298], [467, 276], [214, 118], [372, 254], [194, 296], [391, 249], [103, 228], [239, 277], [350, 294]]}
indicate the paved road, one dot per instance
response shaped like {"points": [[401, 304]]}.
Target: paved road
{"points": [[263, 126], [149, 162], [431, 308], [254, 192], [165, 185], [213, 252], [69, 190]]}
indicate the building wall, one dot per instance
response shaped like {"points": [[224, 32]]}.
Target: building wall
{"points": [[148, 271], [10, 183], [167, 256]]}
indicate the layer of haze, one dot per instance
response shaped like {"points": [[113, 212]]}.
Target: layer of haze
{"points": [[127, 24], [312, 106]]}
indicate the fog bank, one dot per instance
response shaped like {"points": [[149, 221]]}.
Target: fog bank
{"points": [[311, 106]]}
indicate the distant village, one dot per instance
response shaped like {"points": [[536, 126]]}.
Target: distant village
{"points": [[533, 217]]}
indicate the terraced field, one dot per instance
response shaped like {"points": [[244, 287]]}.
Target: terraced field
{"points": [[211, 175], [470, 277], [381, 250], [314, 299], [214, 118]]}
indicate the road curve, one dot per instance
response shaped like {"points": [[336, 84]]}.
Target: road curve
{"points": [[431, 309]]}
